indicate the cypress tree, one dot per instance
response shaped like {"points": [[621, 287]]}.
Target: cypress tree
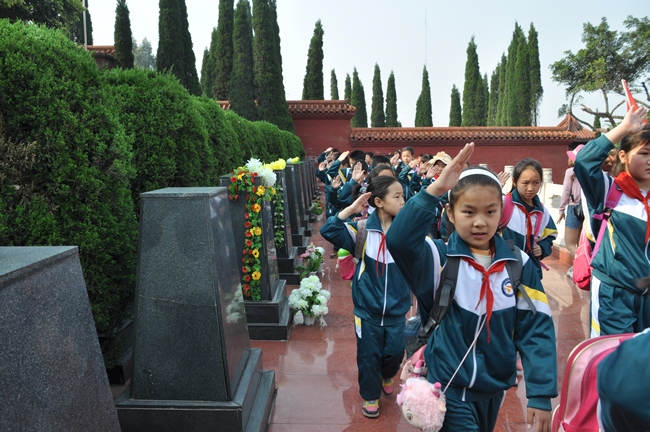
{"points": [[348, 88], [360, 119], [455, 112], [391, 103], [499, 119], [334, 86], [191, 76], [271, 102], [312, 86], [485, 100], [493, 100], [536, 90], [223, 53], [423, 111], [170, 42], [273, 9], [123, 36], [377, 116], [473, 93], [242, 88], [208, 82], [204, 64], [76, 30], [510, 115], [520, 113]]}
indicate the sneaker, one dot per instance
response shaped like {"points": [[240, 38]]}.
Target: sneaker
{"points": [[370, 408], [570, 272], [387, 386]]}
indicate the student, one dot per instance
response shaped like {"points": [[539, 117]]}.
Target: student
{"points": [[526, 182], [369, 156], [379, 292], [571, 201], [405, 170], [379, 160], [484, 308], [342, 191], [617, 305]]}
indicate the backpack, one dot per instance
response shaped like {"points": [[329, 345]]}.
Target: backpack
{"points": [[584, 254], [447, 289], [506, 215], [579, 398], [348, 262]]}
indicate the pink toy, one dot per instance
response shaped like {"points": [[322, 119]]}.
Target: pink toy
{"points": [[415, 367], [423, 404]]}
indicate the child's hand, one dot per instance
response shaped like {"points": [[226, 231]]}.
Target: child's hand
{"points": [[357, 172], [424, 168], [336, 182], [537, 251], [449, 177], [322, 166], [435, 171], [632, 123], [329, 149], [560, 218], [542, 418], [413, 164], [394, 160], [343, 156], [358, 206], [503, 178]]}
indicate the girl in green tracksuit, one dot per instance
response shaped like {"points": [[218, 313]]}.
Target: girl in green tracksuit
{"points": [[488, 320], [617, 305]]}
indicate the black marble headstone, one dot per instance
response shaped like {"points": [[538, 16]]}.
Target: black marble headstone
{"points": [[193, 365], [52, 375], [305, 187], [287, 243], [296, 190]]}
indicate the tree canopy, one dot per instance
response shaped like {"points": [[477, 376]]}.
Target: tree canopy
{"points": [[377, 116], [222, 60], [391, 103], [360, 118], [242, 88], [423, 110], [334, 86], [455, 112], [473, 92], [123, 37], [143, 55], [51, 13], [312, 87]]}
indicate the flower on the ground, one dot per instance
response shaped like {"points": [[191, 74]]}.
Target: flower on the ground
{"points": [[310, 299], [256, 253], [257, 275]]}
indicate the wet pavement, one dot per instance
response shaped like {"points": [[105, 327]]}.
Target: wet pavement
{"points": [[316, 370]]}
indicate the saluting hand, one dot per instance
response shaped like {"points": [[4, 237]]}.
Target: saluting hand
{"points": [[450, 175]]}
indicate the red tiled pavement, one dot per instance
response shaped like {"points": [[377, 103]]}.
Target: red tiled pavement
{"points": [[316, 371]]}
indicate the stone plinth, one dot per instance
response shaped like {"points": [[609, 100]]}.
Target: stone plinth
{"points": [[52, 375], [295, 200], [194, 368], [288, 258]]}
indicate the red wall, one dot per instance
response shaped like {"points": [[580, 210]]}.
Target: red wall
{"points": [[318, 133]]}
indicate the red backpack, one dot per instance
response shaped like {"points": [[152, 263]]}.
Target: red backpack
{"points": [[584, 254], [579, 398], [347, 262]]}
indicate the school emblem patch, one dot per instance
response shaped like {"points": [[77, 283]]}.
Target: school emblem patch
{"points": [[506, 287]]}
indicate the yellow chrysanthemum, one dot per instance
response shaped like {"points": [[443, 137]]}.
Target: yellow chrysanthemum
{"points": [[256, 253], [240, 176], [256, 275], [272, 191], [295, 160], [256, 208], [257, 230], [261, 191]]}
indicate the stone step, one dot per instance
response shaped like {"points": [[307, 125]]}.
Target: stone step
{"points": [[272, 331], [268, 311], [291, 278], [260, 417], [288, 264]]}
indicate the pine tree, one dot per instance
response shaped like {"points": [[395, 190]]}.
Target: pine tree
{"points": [[271, 101], [170, 43], [520, 113], [223, 54], [123, 36], [76, 30], [391, 103], [536, 89], [191, 76], [208, 82], [423, 111], [510, 103], [348, 88], [377, 116], [242, 88], [493, 100], [273, 9], [473, 89], [334, 86], [143, 55], [204, 65], [499, 119], [455, 112], [485, 102], [312, 87], [358, 101]]}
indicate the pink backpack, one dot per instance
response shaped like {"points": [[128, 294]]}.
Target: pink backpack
{"points": [[582, 260], [508, 208], [348, 263], [579, 398]]}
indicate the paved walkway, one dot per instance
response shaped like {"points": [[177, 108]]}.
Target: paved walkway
{"points": [[316, 370]]}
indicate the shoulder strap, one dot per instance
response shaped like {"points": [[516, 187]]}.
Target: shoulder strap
{"points": [[444, 294], [508, 208], [613, 197], [515, 269], [538, 224], [362, 235]]}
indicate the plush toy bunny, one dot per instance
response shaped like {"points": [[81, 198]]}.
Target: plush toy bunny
{"points": [[423, 404]]}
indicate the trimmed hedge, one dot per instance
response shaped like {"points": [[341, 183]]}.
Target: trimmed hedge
{"points": [[78, 146]]}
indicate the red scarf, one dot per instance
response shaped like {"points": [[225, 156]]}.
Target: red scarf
{"points": [[631, 189], [529, 227], [382, 248], [486, 290]]}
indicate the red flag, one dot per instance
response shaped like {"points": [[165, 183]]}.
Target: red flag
{"points": [[631, 103]]}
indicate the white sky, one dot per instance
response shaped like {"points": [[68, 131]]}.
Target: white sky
{"points": [[392, 33]]}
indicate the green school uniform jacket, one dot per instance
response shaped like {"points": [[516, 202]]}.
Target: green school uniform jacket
{"points": [[490, 367]]}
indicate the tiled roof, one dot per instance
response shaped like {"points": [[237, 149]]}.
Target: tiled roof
{"points": [[313, 107], [460, 134], [104, 49], [571, 124]]}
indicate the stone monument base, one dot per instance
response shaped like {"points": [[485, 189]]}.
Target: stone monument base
{"points": [[270, 319], [287, 267], [250, 409]]}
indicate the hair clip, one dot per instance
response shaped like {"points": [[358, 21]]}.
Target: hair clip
{"points": [[363, 189]]}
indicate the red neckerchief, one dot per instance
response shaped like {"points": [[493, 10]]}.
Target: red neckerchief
{"points": [[529, 225], [486, 290], [631, 189], [382, 248]]}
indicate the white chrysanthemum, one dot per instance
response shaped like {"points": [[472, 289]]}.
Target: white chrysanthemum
{"points": [[320, 249], [305, 292], [324, 309], [254, 165], [268, 177], [325, 294], [315, 281], [316, 310], [322, 300], [302, 304]]}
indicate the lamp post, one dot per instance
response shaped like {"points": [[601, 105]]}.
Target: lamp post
{"points": [[84, 3]]}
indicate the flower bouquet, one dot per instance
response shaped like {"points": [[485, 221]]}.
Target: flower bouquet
{"points": [[317, 209], [311, 259], [309, 302]]}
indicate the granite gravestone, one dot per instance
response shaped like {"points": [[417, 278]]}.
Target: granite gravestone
{"points": [[268, 319], [52, 375], [194, 368], [296, 207], [288, 258]]}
